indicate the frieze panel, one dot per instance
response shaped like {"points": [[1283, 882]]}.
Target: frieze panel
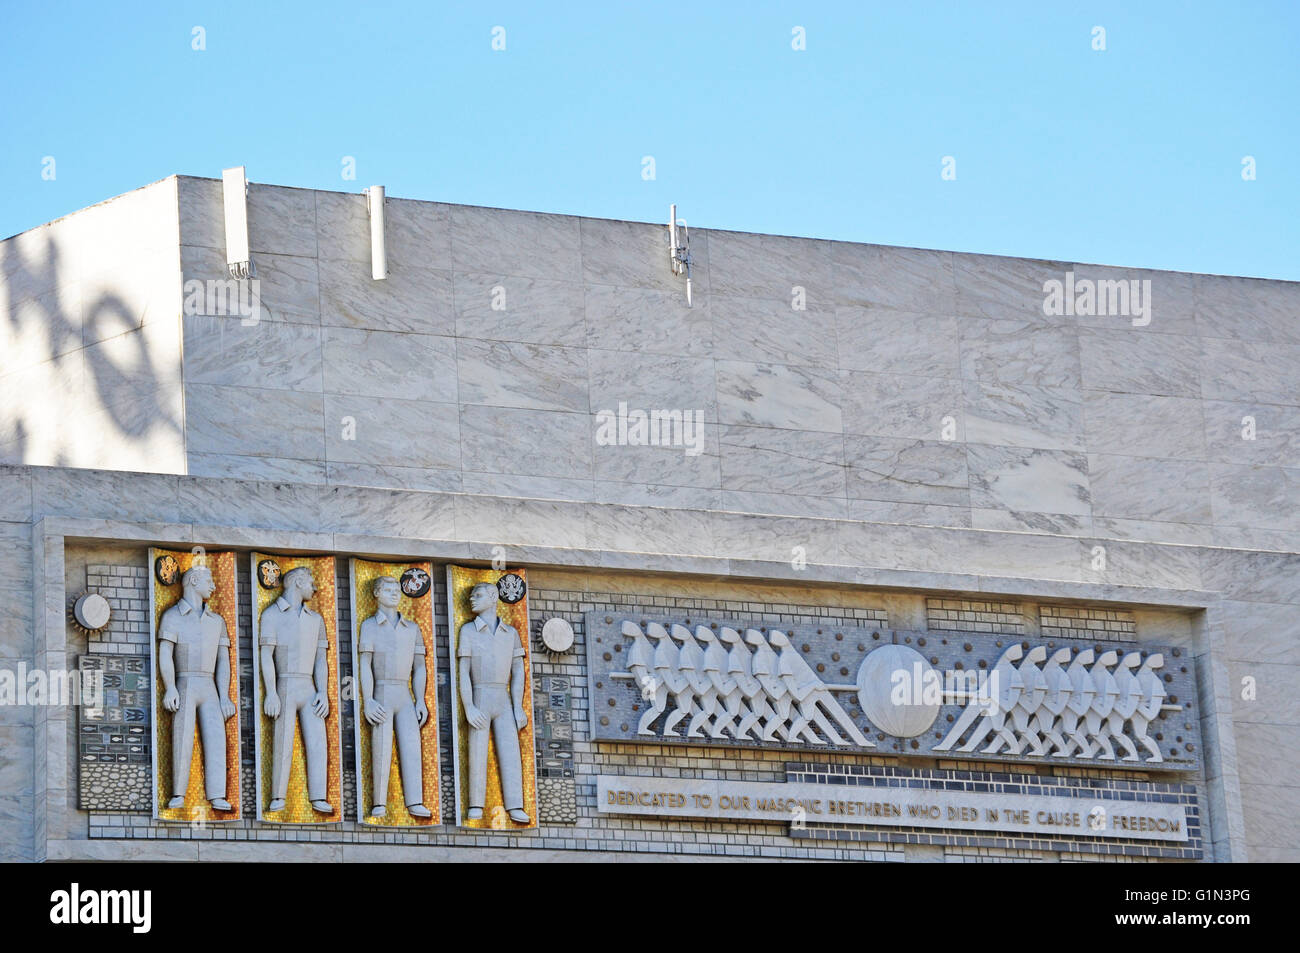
{"points": [[658, 680]]}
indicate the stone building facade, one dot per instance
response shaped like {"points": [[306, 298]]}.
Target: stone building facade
{"points": [[894, 444]]}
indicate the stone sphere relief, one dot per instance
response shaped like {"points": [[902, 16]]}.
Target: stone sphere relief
{"points": [[883, 682]]}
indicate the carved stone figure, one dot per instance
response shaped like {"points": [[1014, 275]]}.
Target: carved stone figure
{"points": [[724, 683], [295, 673], [1082, 693], [766, 670], [1006, 686], [1126, 703], [1103, 702], [691, 661], [1046, 726], [667, 680], [640, 662], [1033, 689], [194, 662], [392, 675], [1153, 698], [752, 705], [669, 664], [812, 698], [491, 670]]}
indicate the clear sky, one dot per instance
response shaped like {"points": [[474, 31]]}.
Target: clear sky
{"points": [[1132, 155]]}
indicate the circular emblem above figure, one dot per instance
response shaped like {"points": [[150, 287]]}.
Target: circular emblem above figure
{"points": [[415, 582], [166, 569], [268, 574], [512, 588]]}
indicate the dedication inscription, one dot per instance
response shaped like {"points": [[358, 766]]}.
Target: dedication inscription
{"points": [[799, 803]]}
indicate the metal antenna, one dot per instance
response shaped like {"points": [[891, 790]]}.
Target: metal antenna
{"points": [[679, 249]]}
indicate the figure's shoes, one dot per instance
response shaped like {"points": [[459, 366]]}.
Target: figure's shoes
{"points": [[379, 810], [177, 801], [276, 805], [418, 810], [519, 816], [220, 804], [474, 814], [322, 807]]}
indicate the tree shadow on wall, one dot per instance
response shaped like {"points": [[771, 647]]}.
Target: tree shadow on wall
{"points": [[121, 389]]}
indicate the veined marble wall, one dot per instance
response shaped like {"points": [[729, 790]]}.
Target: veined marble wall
{"points": [[825, 430], [90, 338]]}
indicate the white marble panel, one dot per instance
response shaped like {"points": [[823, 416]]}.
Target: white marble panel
{"points": [[492, 241], [1149, 489], [1264, 497], [528, 376], [1144, 425], [253, 421], [1023, 415], [1016, 351], [276, 355], [768, 329], [538, 442], [1276, 431], [1014, 478], [745, 265], [534, 310], [651, 382], [410, 299], [1124, 362], [897, 342], [1247, 309], [907, 471], [404, 366], [767, 460], [904, 279], [775, 395], [390, 432]]}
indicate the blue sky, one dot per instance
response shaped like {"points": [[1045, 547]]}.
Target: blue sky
{"points": [[1131, 155]]}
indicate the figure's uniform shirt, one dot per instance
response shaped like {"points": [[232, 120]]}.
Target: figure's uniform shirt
{"points": [[394, 646], [294, 636], [198, 636], [490, 654]]}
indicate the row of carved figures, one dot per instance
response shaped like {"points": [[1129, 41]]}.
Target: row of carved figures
{"points": [[757, 687], [1074, 705], [754, 687]]}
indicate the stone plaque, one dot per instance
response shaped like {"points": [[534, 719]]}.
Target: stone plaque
{"points": [[801, 803]]}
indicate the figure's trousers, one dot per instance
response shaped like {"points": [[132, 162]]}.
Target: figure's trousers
{"points": [[494, 702], [199, 703], [296, 695], [396, 697]]}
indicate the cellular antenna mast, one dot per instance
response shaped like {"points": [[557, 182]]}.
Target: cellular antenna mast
{"points": [[679, 249]]}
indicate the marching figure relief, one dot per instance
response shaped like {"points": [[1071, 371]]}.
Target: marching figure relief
{"points": [[194, 663], [393, 677], [292, 644], [490, 668], [1033, 702]]}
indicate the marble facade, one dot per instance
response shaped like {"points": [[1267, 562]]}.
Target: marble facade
{"points": [[922, 426]]}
